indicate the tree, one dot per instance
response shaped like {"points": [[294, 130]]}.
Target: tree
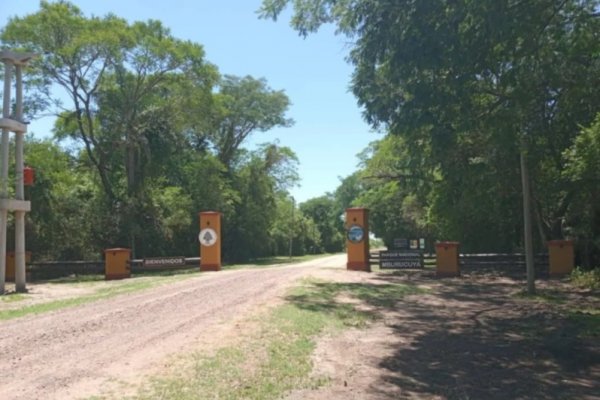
{"points": [[128, 85], [522, 74], [582, 162], [257, 182], [243, 106], [75, 54], [325, 215], [64, 196]]}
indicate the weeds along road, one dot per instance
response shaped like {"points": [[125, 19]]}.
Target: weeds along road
{"points": [[84, 350]]}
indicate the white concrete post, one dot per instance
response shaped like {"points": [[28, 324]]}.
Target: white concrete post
{"points": [[19, 205], [19, 190], [4, 172]]}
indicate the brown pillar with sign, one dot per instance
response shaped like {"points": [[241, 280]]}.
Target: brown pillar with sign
{"points": [[446, 259], [117, 264], [561, 257], [210, 241], [357, 239]]}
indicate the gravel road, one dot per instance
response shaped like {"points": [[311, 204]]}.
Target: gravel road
{"points": [[90, 349]]}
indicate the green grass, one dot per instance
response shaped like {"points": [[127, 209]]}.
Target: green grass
{"points": [[588, 321], [586, 279], [77, 279], [276, 358], [13, 297], [543, 296]]}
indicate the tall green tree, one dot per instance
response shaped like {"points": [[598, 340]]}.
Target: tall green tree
{"points": [[257, 180], [522, 74], [582, 168], [128, 87], [243, 106], [64, 198], [75, 53], [324, 212]]}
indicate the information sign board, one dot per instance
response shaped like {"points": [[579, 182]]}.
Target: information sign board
{"points": [[164, 262], [400, 259]]}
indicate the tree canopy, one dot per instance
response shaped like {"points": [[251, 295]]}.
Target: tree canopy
{"points": [[469, 85]]}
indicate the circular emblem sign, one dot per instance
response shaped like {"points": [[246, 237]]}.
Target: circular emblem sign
{"points": [[356, 233], [207, 237]]}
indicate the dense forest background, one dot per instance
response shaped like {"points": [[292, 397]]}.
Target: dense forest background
{"points": [[465, 92]]}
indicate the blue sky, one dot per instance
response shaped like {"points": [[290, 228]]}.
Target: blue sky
{"points": [[329, 130]]}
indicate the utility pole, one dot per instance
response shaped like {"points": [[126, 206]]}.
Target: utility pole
{"points": [[529, 261], [292, 227]]}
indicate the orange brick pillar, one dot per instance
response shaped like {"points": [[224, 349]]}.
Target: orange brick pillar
{"points": [[561, 257], [446, 259], [116, 264], [210, 241], [10, 264], [357, 239]]}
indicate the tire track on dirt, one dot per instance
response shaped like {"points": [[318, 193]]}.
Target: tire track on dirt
{"points": [[74, 352]]}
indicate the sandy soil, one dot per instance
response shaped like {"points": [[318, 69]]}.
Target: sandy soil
{"points": [[465, 338], [108, 346]]}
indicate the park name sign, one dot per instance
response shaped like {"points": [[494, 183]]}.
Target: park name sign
{"points": [[408, 254]]}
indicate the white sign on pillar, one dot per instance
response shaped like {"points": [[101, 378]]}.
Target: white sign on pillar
{"points": [[13, 61]]}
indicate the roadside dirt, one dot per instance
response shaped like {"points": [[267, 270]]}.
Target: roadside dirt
{"points": [[107, 347], [464, 338], [467, 338]]}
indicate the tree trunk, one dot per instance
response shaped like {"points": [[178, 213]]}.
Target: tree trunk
{"points": [[527, 221]]}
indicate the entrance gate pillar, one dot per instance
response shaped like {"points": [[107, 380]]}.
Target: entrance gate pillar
{"points": [[210, 241], [357, 239], [13, 123]]}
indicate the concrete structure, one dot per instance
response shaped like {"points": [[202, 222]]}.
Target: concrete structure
{"points": [[357, 239], [117, 264], [210, 241], [13, 123], [446, 259], [561, 257]]}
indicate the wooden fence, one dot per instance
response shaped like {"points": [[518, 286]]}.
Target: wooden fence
{"points": [[39, 271], [503, 264], [510, 264]]}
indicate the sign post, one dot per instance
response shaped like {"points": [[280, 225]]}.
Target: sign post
{"points": [[210, 241], [407, 254]]}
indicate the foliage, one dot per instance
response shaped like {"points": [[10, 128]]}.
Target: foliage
{"points": [[156, 136], [58, 226], [582, 167], [589, 279], [243, 106], [469, 85], [325, 214]]}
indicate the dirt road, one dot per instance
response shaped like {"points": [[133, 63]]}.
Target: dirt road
{"points": [[106, 345]]}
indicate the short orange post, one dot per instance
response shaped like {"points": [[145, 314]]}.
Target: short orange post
{"points": [[210, 241], [116, 264], [357, 239], [10, 264], [561, 257], [447, 263]]}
